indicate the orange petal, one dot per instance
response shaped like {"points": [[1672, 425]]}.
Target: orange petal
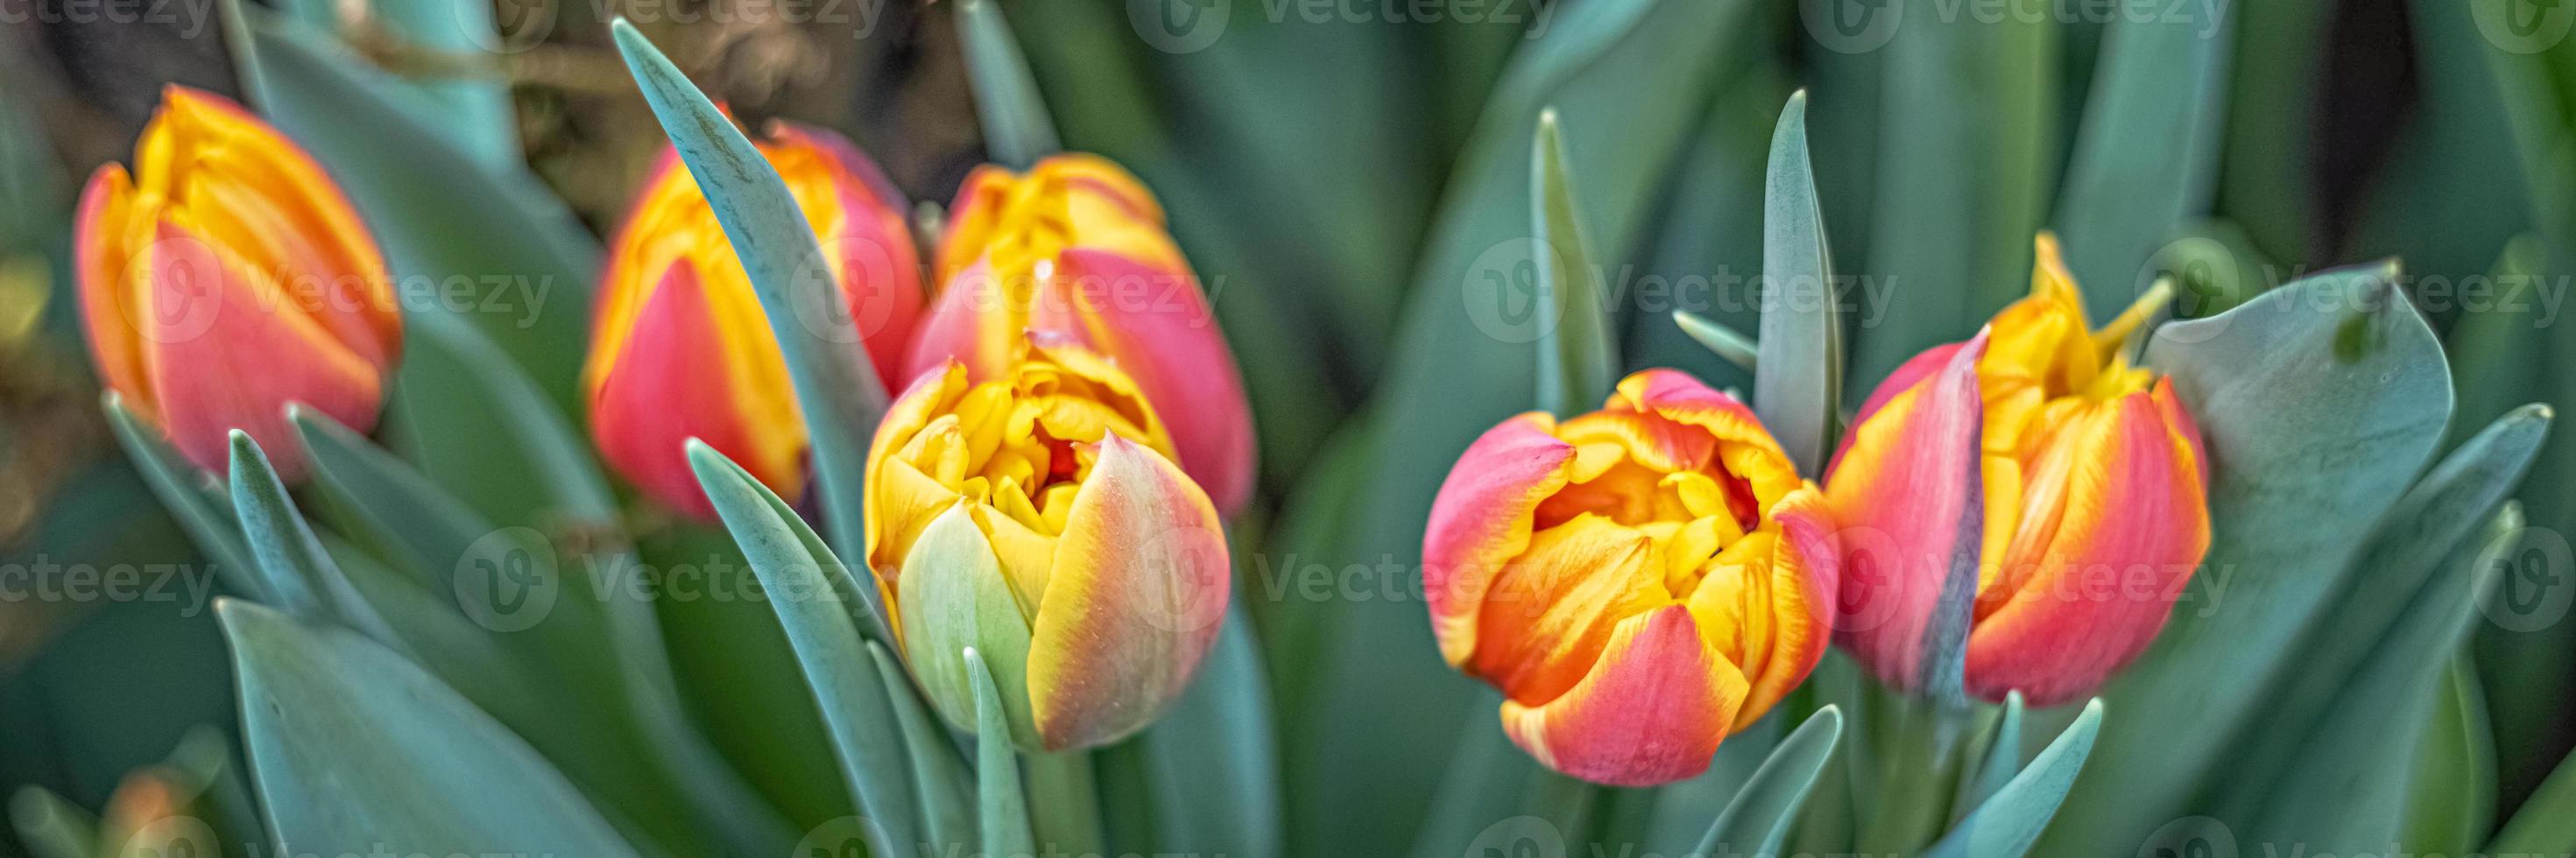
{"points": [[1480, 520], [1139, 586], [674, 380], [1907, 500], [2087, 592], [1652, 711], [1552, 608], [1805, 571]]}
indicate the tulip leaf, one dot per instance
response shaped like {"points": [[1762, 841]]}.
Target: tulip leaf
{"points": [[2361, 739], [407, 516], [812, 593], [2308, 724], [1761, 814], [1017, 128], [1729, 343], [464, 237], [356, 750], [1798, 379], [303, 577], [2546, 823], [2146, 158], [2318, 403], [1002, 810], [1578, 361], [2451, 795], [200, 507], [51, 826], [1988, 772], [2008, 822], [836, 387], [1480, 788], [1212, 762], [937, 772]]}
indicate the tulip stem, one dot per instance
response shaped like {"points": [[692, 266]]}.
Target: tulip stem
{"points": [[1916, 779], [1064, 803]]}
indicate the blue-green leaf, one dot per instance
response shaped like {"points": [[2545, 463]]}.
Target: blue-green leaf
{"points": [[836, 387], [191, 496], [1759, 817], [2146, 159], [1212, 762], [1797, 382], [357, 750], [289, 556], [1017, 128], [1729, 343], [938, 774], [1578, 362], [1987, 774], [1002, 810], [2007, 823]]}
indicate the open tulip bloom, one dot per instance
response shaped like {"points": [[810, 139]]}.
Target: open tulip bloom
{"points": [[816, 523]]}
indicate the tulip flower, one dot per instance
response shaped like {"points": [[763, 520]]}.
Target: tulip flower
{"points": [[1037, 517], [2073, 482], [1076, 249], [1640, 581], [227, 276], [680, 348]]}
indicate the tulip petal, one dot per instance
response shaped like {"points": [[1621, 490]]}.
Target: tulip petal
{"points": [[1481, 520], [1139, 586], [1805, 570], [1652, 711], [1156, 324], [954, 597], [223, 356], [673, 379], [1555, 605], [1907, 498], [2084, 594]]}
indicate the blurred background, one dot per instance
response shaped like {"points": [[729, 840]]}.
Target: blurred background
{"points": [[1335, 169]]}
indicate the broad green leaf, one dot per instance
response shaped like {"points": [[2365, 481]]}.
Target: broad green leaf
{"points": [[1002, 811], [1987, 773], [2008, 822], [1631, 79], [1759, 818], [1797, 382], [477, 425], [357, 750], [835, 386], [463, 238], [1721, 340], [305, 580], [1017, 128], [812, 593], [2146, 158], [52, 826], [1578, 362], [1480, 788], [939, 777], [2451, 796], [2318, 403], [1212, 762], [398, 511], [201, 507]]}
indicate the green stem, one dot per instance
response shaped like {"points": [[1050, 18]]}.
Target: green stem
{"points": [[1567, 803], [1916, 779], [1064, 804]]}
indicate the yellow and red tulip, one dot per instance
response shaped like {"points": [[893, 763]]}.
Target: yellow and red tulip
{"points": [[1037, 517], [227, 276], [1076, 249], [1640, 581], [2074, 481], [680, 347]]}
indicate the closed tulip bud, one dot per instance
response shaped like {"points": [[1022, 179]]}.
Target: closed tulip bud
{"points": [[681, 349], [1037, 518], [2073, 481], [1076, 250], [225, 277], [1640, 581]]}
